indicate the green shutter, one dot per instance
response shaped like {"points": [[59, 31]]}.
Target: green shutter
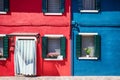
{"points": [[63, 46], [6, 5], [5, 47], [78, 45], [80, 5], [97, 41], [44, 46], [62, 6], [44, 6], [98, 4]]}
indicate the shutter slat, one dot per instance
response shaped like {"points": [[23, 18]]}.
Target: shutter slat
{"points": [[44, 6], [44, 46], [63, 46], [5, 47], [6, 5], [78, 46], [97, 41]]}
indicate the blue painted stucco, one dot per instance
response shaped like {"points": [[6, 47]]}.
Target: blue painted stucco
{"points": [[107, 24]]}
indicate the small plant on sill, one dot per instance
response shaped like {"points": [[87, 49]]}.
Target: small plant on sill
{"points": [[87, 51], [52, 55]]}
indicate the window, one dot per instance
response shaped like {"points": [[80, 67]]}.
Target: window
{"points": [[54, 47], [88, 46], [53, 7], [4, 6], [89, 5], [3, 46]]}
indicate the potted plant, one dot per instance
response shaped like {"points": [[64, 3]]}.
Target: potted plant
{"points": [[87, 51], [52, 55]]}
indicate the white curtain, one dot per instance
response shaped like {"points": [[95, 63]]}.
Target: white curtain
{"points": [[25, 57]]}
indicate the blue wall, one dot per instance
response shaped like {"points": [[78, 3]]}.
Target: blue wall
{"points": [[107, 24]]}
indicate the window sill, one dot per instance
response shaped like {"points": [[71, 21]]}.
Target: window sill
{"points": [[88, 58], [2, 58], [89, 11], [3, 12], [50, 14], [53, 59]]}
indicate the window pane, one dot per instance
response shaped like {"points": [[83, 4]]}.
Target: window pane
{"points": [[88, 42], [53, 6], [88, 4], [54, 45], [1, 47], [1, 5]]}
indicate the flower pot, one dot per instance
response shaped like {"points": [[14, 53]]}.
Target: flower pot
{"points": [[87, 56]]}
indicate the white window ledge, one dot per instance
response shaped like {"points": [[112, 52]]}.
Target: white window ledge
{"points": [[90, 11], [53, 14], [2, 12], [87, 58], [52, 59], [53, 36], [87, 34], [2, 35], [2, 58]]}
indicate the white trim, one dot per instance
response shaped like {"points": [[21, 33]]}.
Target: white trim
{"points": [[53, 36], [94, 58], [2, 58], [2, 35], [3, 12], [91, 11], [51, 59], [17, 38], [88, 34], [52, 13]]}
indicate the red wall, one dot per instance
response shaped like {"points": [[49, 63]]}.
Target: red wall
{"points": [[26, 16]]}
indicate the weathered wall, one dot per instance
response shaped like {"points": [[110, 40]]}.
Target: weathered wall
{"points": [[26, 16], [107, 24]]}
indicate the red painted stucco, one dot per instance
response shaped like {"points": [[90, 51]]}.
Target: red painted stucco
{"points": [[26, 16]]}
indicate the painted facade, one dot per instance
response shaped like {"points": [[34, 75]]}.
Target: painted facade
{"points": [[28, 18], [106, 23]]}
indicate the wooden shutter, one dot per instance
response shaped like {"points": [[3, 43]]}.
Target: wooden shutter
{"points": [[63, 46], [5, 47], [44, 6], [97, 43], [6, 5], [78, 45], [44, 46], [80, 5], [62, 6], [98, 3]]}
